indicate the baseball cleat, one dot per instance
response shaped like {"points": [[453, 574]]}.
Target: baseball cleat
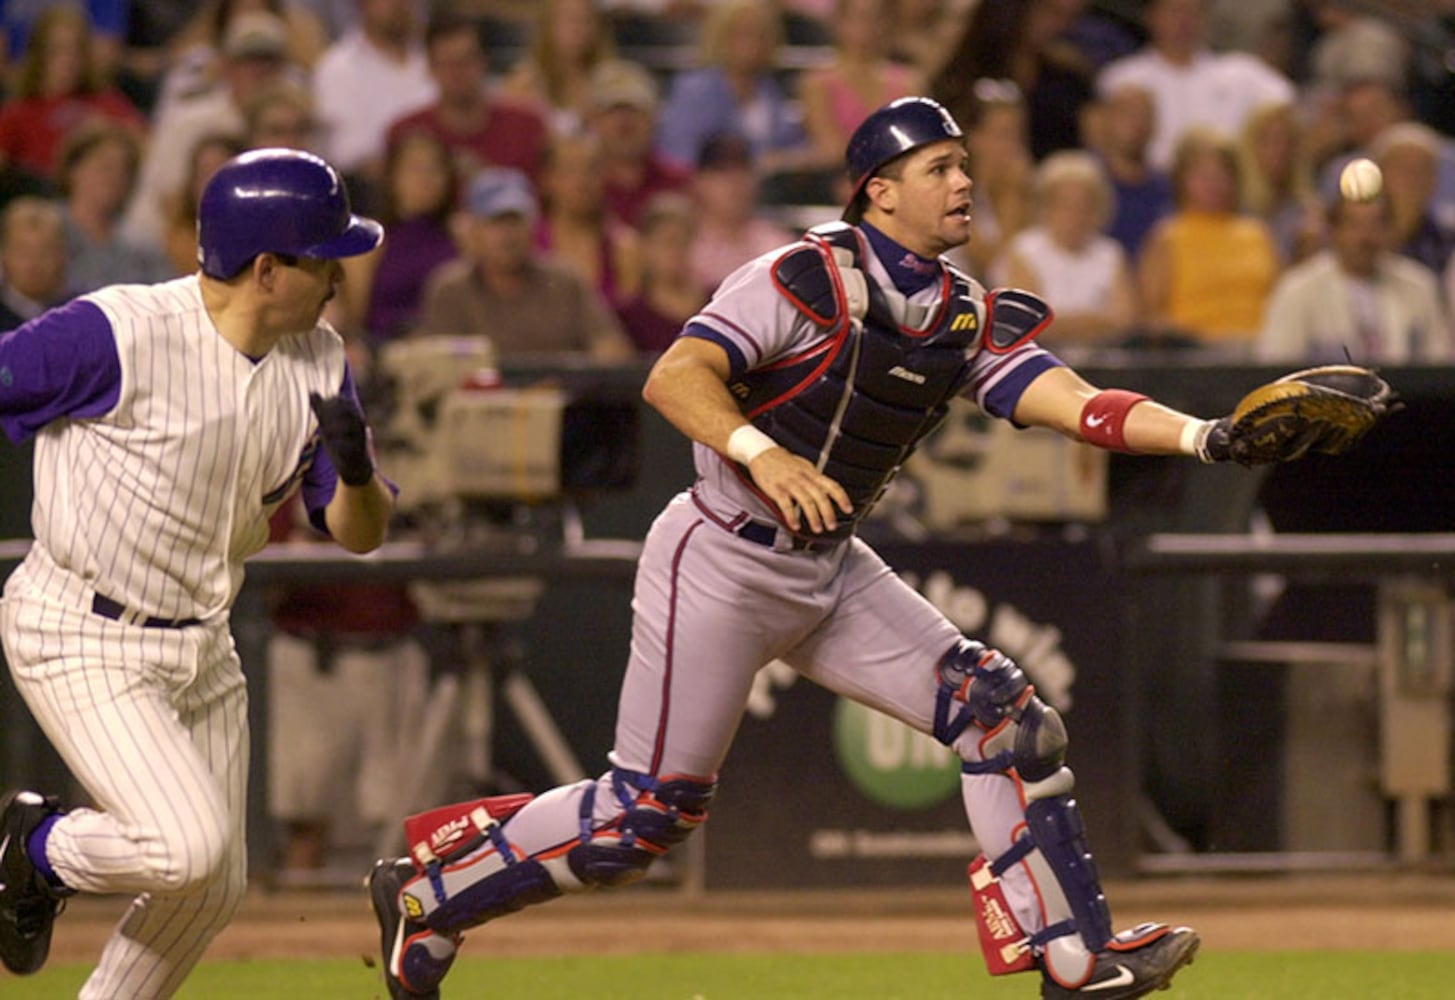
{"points": [[415, 957], [28, 903], [1133, 964]]}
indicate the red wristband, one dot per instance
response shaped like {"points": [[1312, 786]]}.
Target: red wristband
{"points": [[1104, 418]]}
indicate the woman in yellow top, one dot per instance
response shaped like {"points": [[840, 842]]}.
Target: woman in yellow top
{"points": [[1207, 269]]}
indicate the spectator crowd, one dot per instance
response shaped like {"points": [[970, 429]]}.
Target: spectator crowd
{"points": [[578, 175]]}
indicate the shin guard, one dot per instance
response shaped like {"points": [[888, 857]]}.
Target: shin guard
{"points": [[468, 871]]}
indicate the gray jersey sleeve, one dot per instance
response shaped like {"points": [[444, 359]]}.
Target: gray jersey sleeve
{"points": [[752, 319]]}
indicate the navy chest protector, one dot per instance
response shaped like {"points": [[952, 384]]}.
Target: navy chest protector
{"points": [[858, 402]]}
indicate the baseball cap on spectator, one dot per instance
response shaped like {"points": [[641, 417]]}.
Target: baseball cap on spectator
{"points": [[622, 83], [725, 151], [497, 191], [255, 34]]}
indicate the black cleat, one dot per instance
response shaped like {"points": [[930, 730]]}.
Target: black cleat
{"points": [[1133, 964], [415, 957], [28, 903]]}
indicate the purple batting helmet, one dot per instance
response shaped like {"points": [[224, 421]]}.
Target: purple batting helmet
{"points": [[280, 201], [889, 133]]}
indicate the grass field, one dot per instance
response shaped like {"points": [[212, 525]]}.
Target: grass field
{"points": [[1334, 936], [1303, 975]]}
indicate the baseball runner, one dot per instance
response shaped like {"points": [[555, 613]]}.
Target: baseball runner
{"points": [[170, 421], [804, 384]]}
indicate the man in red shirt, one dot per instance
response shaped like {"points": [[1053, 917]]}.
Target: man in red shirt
{"points": [[623, 117], [481, 129]]}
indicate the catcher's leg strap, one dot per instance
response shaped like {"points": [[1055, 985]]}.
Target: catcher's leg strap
{"points": [[657, 815], [988, 710], [480, 874]]}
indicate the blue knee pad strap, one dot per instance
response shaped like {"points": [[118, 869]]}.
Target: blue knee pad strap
{"points": [[657, 814]]}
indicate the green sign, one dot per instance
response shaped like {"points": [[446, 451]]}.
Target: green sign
{"points": [[890, 763]]}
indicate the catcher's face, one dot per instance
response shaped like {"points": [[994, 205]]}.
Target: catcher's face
{"points": [[926, 207]]}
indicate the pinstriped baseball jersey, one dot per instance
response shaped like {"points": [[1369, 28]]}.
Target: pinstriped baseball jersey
{"points": [[160, 453], [175, 482]]}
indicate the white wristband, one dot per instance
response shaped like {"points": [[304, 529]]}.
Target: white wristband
{"points": [[747, 443], [1191, 432]]}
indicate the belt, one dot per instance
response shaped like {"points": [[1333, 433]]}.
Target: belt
{"points": [[107, 608], [767, 534]]}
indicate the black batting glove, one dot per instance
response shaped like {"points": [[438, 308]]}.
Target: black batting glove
{"points": [[344, 434]]}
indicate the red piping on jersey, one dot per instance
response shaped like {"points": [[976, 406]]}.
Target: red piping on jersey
{"points": [[793, 359], [934, 323], [829, 347], [729, 526], [752, 488], [662, 718], [945, 284]]}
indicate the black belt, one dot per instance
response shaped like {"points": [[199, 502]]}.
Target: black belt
{"points": [[117, 612], [767, 534]]}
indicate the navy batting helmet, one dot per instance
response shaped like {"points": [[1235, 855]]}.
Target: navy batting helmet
{"points": [[889, 133], [277, 201]]}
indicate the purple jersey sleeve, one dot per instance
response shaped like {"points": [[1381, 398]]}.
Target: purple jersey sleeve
{"points": [[63, 363], [320, 482], [997, 386]]}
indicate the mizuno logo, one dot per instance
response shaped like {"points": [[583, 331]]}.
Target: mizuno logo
{"points": [[1123, 977], [899, 371]]}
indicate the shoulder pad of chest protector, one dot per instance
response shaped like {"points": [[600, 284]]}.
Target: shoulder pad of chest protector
{"points": [[1014, 317], [821, 276]]}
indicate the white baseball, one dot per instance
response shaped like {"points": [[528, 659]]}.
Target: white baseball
{"points": [[1361, 180]]}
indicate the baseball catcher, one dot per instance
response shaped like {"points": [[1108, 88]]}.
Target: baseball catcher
{"points": [[1325, 410], [813, 373]]}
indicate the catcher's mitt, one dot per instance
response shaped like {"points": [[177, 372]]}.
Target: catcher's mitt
{"points": [[1326, 409]]}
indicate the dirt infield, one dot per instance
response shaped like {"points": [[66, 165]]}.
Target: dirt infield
{"points": [[1413, 911]]}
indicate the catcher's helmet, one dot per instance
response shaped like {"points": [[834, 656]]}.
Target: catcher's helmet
{"points": [[280, 201], [887, 134]]}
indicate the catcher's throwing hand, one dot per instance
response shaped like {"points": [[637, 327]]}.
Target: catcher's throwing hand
{"points": [[1326, 409], [800, 492], [345, 436]]}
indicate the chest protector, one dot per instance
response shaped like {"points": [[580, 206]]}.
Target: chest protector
{"points": [[858, 402]]}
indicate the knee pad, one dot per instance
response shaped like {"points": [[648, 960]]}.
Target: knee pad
{"points": [[657, 815], [984, 688]]}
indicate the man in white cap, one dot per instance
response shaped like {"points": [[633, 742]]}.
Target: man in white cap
{"points": [[254, 55]]}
